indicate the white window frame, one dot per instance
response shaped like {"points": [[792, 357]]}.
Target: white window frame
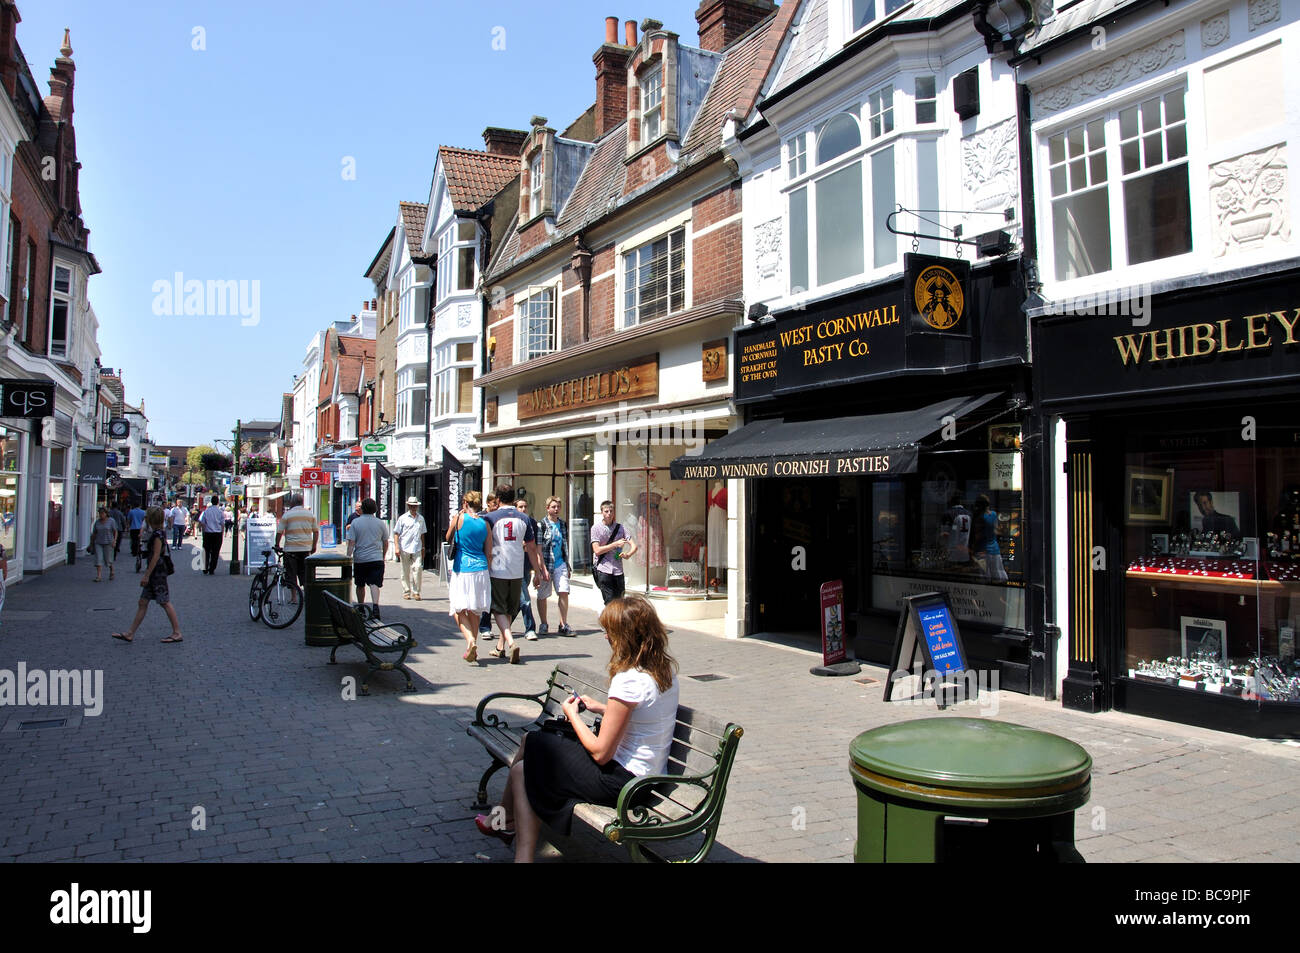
{"points": [[626, 320], [1115, 181], [879, 122], [918, 100], [523, 349], [881, 10], [796, 156], [862, 156], [408, 387], [447, 378], [450, 248], [68, 298], [536, 175], [406, 301], [646, 87]]}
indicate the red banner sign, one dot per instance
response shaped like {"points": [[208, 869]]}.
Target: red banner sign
{"points": [[312, 477], [832, 610]]}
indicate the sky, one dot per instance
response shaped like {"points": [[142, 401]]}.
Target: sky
{"points": [[216, 139]]}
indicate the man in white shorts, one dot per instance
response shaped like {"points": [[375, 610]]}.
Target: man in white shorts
{"points": [[553, 541]]}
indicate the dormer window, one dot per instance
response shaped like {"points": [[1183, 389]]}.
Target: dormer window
{"points": [[535, 185], [60, 312], [652, 98], [867, 12]]}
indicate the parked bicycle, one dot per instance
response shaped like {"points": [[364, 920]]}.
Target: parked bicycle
{"points": [[273, 598]]}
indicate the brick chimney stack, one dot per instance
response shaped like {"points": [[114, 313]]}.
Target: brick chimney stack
{"points": [[9, 19], [721, 21], [611, 77], [504, 142]]}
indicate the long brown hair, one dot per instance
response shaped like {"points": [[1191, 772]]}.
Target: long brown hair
{"points": [[638, 639]]}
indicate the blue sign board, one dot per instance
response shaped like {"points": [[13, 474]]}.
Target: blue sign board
{"points": [[111, 459], [941, 639]]}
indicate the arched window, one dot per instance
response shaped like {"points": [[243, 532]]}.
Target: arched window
{"points": [[838, 136]]}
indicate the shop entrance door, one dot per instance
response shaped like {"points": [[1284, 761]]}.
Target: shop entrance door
{"points": [[807, 533]]}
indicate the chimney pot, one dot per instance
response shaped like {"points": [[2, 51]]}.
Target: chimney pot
{"points": [[629, 33], [611, 29]]}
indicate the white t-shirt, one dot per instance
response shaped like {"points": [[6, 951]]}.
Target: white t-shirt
{"points": [[410, 531], [179, 516], [649, 735], [510, 530]]}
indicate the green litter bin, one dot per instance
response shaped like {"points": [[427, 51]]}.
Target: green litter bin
{"points": [[326, 572], [967, 789]]}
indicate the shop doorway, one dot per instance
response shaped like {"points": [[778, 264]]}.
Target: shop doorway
{"points": [[808, 532]]}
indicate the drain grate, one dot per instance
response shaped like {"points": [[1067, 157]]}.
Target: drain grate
{"points": [[708, 677], [867, 681], [47, 723]]}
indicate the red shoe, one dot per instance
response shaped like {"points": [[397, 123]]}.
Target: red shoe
{"points": [[484, 824]]}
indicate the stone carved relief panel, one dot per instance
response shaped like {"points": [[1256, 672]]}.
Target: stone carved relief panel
{"points": [[768, 251], [1214, 30], [464, 314], [1116, 72], [1248, 201], [462, 439], [990, 168], [1260, 12]]}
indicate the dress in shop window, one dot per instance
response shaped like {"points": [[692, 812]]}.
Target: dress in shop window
{"points": [[717, 530], [649, 530]]}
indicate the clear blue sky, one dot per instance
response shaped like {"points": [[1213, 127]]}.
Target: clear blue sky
{"points": [[226, 163]]}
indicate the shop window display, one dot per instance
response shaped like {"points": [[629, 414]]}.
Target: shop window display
{"points": [[1212, 551], [956, 525], [679, 550], [9, 483]]}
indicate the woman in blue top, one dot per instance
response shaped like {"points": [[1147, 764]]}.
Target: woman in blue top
{"points": [[470, 590]]}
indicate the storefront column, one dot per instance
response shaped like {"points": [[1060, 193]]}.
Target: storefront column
{"points": [[1083, 687], [736, 622]]}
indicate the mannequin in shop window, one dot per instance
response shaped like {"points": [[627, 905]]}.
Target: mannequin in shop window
{"points": [[649, 532], [717, 531]]}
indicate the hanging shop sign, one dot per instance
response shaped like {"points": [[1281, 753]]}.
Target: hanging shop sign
{"points": [[313, 477], [330, 465], [94, 466], [374, 453], [636, 378], [31, 399], [110, 459], [385, 485], [349, 473], [934, 293]]}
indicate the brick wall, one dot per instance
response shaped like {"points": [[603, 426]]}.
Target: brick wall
{"points": [[647, 167], [717, 270], [31, 208], [716, 206]]}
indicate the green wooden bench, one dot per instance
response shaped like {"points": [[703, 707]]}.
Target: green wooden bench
{"points": [[373, 638], [653, 809]]}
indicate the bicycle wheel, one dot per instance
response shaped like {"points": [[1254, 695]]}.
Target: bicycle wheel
{"points": [[255, 593], [281, 603]]}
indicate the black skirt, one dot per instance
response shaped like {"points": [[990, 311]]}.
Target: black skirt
{"points": [[559, 773]]}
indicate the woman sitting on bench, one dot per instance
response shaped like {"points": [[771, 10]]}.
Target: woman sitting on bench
{"points": [[635, 735]]}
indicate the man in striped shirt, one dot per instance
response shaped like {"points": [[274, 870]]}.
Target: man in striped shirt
{"points": [[301, 535]]}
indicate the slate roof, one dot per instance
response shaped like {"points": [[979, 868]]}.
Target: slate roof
{"points": [[413, 215], [474, 177], [736, 85], [1071, 18]]}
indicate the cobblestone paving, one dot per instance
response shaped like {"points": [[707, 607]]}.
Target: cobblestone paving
{"points": [[250, 726]]}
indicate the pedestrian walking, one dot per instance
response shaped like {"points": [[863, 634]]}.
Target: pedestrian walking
{"points": [[611, 545], [301, 536], [469, 589], [213, 522], [490, 505], [408, 538], [552, 772], [103, 538], [119, 518], [512, 546], [180, 520], [367, 537], [135, 520], [154, 583], [553, 541], [356, 511], [525, 600]]}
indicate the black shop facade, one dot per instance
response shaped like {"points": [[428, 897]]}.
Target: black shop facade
{"points": [[1181, 425], [889, 443]]}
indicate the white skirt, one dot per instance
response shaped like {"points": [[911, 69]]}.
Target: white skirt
{"points": [[470, 590]]}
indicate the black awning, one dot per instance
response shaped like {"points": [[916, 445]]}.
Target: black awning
{"points": [[876, 445]]}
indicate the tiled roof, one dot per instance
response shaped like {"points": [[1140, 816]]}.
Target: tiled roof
{"points": [[413, 214], [1072, 18], [739, 79], [355, 354], [736, 85], [474, 177]]}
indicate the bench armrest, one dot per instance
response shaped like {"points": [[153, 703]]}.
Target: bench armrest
{"points": [[492, 721], [635, 817], [406, 629]]}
